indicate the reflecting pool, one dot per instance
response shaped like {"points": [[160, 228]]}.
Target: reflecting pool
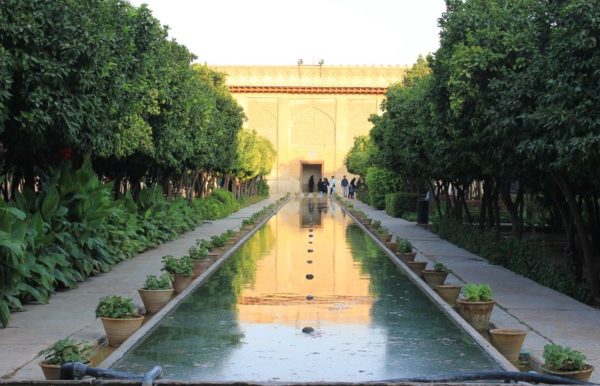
{"points": [[309, 297]]}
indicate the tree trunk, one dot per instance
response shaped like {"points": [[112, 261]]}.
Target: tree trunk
{"points": [[226, 183], [497, 207], [483, 206], [512, 207], [436, 196], [5, 194], [585, 239]]}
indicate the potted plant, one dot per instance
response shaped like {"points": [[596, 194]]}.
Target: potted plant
{"points": [[218, 241], [564, 362], [119, 317], [199, 255], [437, 275], [417, 267], [208, 245], [181, 270], [247, 224], [393, 245], [476, 306], [157, 292], [405, 250], [229, 237], [376, 225], [508, 341], [448, 292], [384, 235], [66, 350]]}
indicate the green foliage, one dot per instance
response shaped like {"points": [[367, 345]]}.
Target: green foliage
{"points": [[262, 188], [67, 350], [398, 203], [116, 307], [401, 135], [517, 255], [477, 293], [162, 282], [559, 358], [404, 246], [204, 244], [183, 266], [360, 156], [73, 228], [198, 252], [218, 241], [226, 198], [380, 182], [109, 87], [440, 267]]}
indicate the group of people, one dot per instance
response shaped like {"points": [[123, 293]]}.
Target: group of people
{"points": [[328, 186]]}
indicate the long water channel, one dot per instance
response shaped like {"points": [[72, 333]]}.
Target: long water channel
{"points": [[311, 268]]}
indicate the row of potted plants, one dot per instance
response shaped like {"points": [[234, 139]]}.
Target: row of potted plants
{"points": [[476, 305], [119, 315]]}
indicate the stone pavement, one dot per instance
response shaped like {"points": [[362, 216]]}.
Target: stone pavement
{"points": [[71, 313], [549, 316]]}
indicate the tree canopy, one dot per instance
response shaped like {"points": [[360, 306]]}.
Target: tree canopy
{"points": [[504, 111]]}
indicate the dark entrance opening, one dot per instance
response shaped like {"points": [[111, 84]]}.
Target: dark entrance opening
{"points": [[307, 170]]}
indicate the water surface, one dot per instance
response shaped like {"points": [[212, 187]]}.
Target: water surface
{"points": [[368, 321]]}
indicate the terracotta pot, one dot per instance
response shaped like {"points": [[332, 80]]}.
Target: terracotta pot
{"points": [[385, 237], [214, 254], [448, 292], [51, 372], [417, 266], [154, 300], [407, 256], [392, 245], [200, 266], [117, 330], [367, 221], [580, 375], [181, 281], [434, 278], [508, 341], [477, 314]]}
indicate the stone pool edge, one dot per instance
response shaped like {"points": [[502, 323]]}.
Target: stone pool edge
{"points": [[487, 347], [151, 324]]}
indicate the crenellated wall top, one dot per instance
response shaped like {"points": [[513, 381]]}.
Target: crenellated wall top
{"points": [[313, 76]]}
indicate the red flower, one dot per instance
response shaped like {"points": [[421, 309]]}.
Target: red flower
{"points": [[66, 153]]}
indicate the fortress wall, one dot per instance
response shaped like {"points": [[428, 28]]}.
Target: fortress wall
{"points": [[310, 114]]}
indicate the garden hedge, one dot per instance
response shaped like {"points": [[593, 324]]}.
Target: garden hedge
{"points": [[396, 204]]}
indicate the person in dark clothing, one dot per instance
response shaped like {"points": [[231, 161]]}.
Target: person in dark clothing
{"points": [[344, 184], [325, 185], [320, 186], [352, 188], [311, 184]]}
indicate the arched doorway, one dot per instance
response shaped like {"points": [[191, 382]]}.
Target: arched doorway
{"points": [[307, 169]]}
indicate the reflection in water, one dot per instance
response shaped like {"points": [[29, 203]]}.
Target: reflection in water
{"points": [[260, 318], [310, 213]]}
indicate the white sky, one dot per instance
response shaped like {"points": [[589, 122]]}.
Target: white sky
{"points": [[279, 32]]}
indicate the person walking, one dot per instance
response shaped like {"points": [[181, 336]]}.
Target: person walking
{"points": [[311, 184], [325, 185], [332, 190], [352, 188], [320, 187], [344, 184]]}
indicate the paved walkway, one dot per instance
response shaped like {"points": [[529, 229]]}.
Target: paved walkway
{"points": [[550, 316], [71, 313]]}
